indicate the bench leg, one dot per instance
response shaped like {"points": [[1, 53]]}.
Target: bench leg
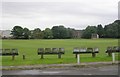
{"points": [[42, 56], [59, 56], [75, 55], [13, 57], [93, 55], [109, 54]]}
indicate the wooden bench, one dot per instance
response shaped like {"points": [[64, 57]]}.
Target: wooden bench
{"points": [[50, 51], [92, 51], [9, 52], [114, 49]]}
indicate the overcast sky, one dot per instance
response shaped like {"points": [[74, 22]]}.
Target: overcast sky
{"points": [[71, 13]]}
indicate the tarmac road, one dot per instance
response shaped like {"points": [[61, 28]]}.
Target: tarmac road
{"points": [[102, 70]]}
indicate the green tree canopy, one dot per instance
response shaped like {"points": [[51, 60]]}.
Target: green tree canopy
{"points": [[26, 33], [112, 30], [17, 32], [48, 33], [59, 32], [89, 31], [100, 31], [37, 34]]}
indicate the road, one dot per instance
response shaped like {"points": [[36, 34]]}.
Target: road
{"points": [[102, 70]]}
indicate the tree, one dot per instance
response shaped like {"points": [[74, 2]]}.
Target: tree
{"points": [[55, 32], [87, 33], [48, 33], [100, 30], [118, 26], [17, 32], [26, 33], [62, 32], [59, 32], [70, 33], [112, 30], [37, 34]]}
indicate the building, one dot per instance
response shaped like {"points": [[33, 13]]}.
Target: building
{"points": [[95, 36], [5, 34], [77, 34]]}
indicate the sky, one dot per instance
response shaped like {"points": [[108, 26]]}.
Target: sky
{"points": [[43, 14]]}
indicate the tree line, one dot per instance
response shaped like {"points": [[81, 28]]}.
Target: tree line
{"points": [[111, 30], [61, 32], [57, 32]]}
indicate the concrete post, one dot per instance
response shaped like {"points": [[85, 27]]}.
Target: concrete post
{"points": [[113, 57], [78, 59]]}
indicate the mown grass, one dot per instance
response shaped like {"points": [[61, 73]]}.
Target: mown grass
{"points": [[29, 48]]}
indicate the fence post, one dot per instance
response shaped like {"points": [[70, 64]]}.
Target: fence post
{"points": [[23, 56]]}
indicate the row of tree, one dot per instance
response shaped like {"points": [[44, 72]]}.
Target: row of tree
{"points": [[57, 32], [109, 31], [60, 32]]}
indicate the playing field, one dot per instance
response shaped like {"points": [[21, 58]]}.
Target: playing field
{"points": [[29, 48]]}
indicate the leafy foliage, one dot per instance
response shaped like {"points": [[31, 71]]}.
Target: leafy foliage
{"points": [[17, 32], [26, 33], [37, 34], [89, 31], [112, 30], [48, 33], [60, 32], [109, 31]]}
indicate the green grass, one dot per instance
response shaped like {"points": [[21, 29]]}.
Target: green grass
{"points": [[29, 48]]}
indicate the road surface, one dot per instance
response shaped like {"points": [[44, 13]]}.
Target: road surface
{"points": [[102, 70]]}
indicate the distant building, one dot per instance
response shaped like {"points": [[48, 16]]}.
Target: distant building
{"points": [[5, 34], [95, 36], [77, 34]]}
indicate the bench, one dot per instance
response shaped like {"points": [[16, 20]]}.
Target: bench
{"points": [[113, 49], [48, 51], [92, 51], [9, 52]]}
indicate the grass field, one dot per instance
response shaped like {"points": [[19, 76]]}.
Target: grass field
{"points": [[29, 48]]}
